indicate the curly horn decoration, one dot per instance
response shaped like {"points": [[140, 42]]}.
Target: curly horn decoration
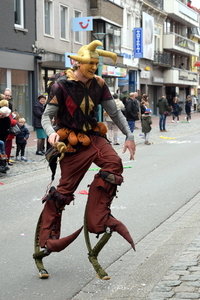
{"points": [[86, 52], [108, 54], [93, 45]]}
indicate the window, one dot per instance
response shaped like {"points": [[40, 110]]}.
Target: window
{"points": [[118, 2], [129, 31], [48, 17], [64, 28], [157, 38], [19, 13], [113, 39], [77, 34]]}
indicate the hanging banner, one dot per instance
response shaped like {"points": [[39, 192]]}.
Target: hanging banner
{"points": [[148, 36], [138, 42], [82, 24]]}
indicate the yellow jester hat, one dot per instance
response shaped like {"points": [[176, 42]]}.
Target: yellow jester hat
{"points": [[87, 52]]}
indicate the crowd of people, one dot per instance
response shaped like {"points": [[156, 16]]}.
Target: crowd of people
{"points": [[135, 108], [8, 120]]}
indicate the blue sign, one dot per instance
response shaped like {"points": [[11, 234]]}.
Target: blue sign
{"points": [[82, 24], [68, 61], [138, 42]]}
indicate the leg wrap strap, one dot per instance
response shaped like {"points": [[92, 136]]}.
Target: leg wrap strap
{"points": [[111, 178]]}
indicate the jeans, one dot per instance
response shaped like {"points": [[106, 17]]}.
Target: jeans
{"points": [[162, 121], [131, 125], [2, 147]]}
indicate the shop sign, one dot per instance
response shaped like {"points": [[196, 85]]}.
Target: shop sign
{"points": [[82, 24], [145, 74], [138, 42], [158, 79], [68, 61], [112, 71]]}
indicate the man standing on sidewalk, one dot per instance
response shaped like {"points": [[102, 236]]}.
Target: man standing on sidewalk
{"points": [[163, 109], [132, 111]]}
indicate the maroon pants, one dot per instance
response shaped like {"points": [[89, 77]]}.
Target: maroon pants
{"points": [[8, 148], [73, 169]]}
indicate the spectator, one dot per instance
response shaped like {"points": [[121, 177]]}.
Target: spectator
{"points": [[132, 111], [188, 105], [41, 135], [4, 131], [21, 140], [8, 97], [175, 110], [10, 137], [163, 106], [112, 127], [146, 125]]}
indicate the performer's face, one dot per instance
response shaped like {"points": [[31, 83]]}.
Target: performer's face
{"points": [[88, 70]]}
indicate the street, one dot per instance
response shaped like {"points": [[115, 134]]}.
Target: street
{"points": [[161, 179]]}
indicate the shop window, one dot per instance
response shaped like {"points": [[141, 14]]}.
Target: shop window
{"points": [[48, 17], [19, 13], [64, 27], [111, 83], [113, 38], [2, 80], [21, 101]]}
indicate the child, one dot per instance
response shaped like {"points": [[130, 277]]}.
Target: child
{"points": [[146, 125], [175, 108], [21, 140]]}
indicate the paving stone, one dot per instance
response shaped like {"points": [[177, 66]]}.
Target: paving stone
{"points": [[188, 295]]}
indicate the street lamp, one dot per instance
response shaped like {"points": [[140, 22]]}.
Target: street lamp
{"points": [[100, 36]]}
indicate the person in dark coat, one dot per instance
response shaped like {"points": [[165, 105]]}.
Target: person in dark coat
{"points": [[132, 110], [175, 110], [40, 133], [163, 106], [188, 105], [146, 125], [21, 140], [5, 124]]}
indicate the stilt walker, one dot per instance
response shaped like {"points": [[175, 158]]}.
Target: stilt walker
{"points": [[79, 140]]}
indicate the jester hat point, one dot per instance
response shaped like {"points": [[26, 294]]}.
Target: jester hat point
{"points": [[87, 52]]}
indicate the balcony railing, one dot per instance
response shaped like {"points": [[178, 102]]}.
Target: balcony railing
{"points": [[184, 42], [162, 58]]}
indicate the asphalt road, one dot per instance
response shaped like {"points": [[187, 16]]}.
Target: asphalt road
{"points": [[161, 179]]}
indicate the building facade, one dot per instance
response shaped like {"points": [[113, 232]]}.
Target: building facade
{"points": [[17, 62]]}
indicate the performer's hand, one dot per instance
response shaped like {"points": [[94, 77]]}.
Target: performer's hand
{"points": [[130, 145], [53, 138]]}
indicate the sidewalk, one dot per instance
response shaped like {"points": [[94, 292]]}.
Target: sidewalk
{"points": [[175, 130]]}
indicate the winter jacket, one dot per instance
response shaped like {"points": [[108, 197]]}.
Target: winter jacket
{"points": [[38, 110], [24, 133], [146, 123], [188, 105], [4, 128], [132, 110], [175, 107], [163, 105]]}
